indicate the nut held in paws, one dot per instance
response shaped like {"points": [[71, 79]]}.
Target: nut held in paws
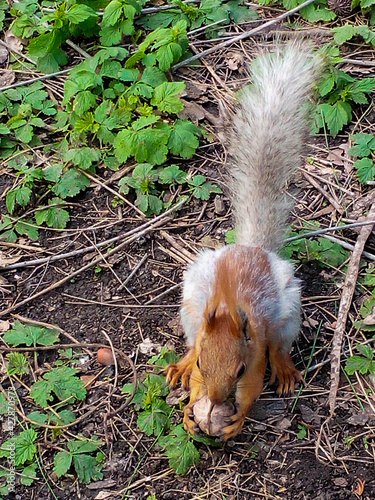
{"points": [[213, 423]]}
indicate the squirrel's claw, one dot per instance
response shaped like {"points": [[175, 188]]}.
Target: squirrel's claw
{"points": [[174, 373], [189, 423], [284, 371], [234, 428]]}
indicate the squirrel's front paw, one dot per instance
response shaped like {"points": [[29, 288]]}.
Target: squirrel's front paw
{"points": [[285, 372], [174, 373], [231, 430], [189, 423]]}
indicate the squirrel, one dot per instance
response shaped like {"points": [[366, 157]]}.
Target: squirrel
{"points": [[242, 301]]}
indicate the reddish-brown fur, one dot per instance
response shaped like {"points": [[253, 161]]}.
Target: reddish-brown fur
{"points": [[235, 331]]}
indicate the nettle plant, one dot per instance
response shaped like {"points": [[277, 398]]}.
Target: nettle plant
{"points": [[52, 397], [338, 92], [118, 106]]}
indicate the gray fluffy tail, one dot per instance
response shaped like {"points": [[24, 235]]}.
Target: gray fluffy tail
{"points": [[267, 139]]}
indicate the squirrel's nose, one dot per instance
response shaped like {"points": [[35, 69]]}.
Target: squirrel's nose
{"points": [[216, 396]]}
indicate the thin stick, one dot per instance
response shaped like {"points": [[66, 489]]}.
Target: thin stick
{"points": [[329, 229], [74, 253], [133, 272], [346, 300], [242, 36], [96, 261], [97, 181], [37, 79]]}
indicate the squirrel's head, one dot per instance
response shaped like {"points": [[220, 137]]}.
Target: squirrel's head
{"points": [[224, 350]]}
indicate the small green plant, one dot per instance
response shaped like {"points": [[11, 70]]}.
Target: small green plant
{"points": [[78, 455], [345, 33], [24, 450], [30, 335], [364, 149], [317, 11], [363, 363], [60, 386], [148, 181], [340, 92], [302, 432], [156, 417], [17, 364]]}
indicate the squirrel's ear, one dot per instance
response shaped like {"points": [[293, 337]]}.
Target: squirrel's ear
{"points": [[244, 322]]}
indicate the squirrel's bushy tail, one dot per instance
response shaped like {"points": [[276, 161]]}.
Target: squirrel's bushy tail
{"points": [[266, 141]]}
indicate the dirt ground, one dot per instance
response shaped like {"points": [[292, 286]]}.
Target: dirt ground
{"points": [[270, 459]]}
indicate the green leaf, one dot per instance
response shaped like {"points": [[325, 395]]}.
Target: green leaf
{"points": [[240, 13], [23, 195], [366, 351], [87, 468], [365, 170], [172, 175], [11, 200], [183, 140], [344, 33], [230, 237], [55, 217], [24, 133], [28, 228], [78, 13], [202, 189], [360, 364], [364, 145], [83, 101], [71, 183], [62, 463], [60, 381], [30, 335], [28, 475], [139, 395], [37, 416], [155, 419], [3, 405], [52, 173], [145, 121], [164, 98], [367, 4], [153, 76], [164, 358], [23, 445], [336, 116], [17, 364], [112, 13], [85, 446], [83, 157], [180, 450], [326, 85]]}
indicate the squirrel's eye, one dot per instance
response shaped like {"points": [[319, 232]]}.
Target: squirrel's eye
{"points": [[241, 371]]}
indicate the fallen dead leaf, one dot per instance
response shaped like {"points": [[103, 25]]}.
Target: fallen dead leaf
{"points": [[149, 348], [176, 396], [88, 380], [107, 483], [192, 111], [340, 481], [370, 319], [7, 76], [336, 157], [4, 325], [234, 60], [4, 52], [6, 261], [13, 42], [360, 487]]}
